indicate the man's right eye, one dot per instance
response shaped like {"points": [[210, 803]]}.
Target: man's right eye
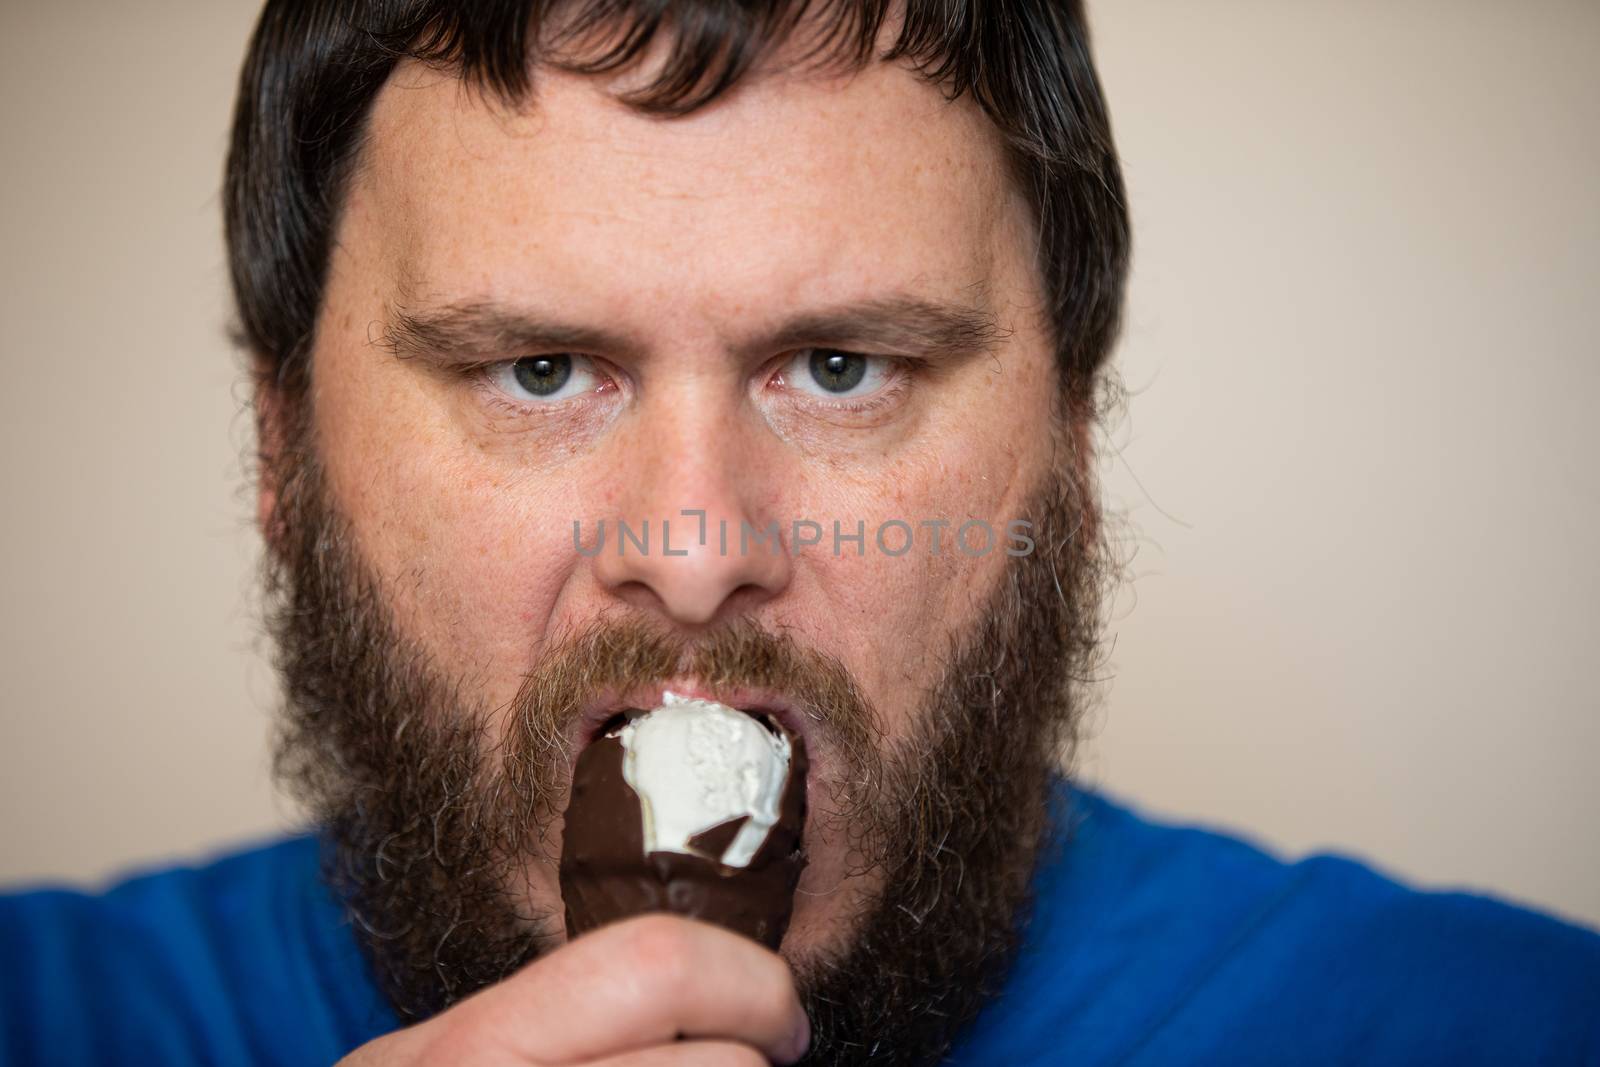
{"points": [[546, 379]]}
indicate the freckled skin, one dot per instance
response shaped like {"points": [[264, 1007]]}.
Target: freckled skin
{"points": [[695, 235]]}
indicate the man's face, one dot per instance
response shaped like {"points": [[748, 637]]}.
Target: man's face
{"points": [[576, 313]]}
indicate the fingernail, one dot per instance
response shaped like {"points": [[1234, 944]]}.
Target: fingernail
{"points": [[802, 1038]]}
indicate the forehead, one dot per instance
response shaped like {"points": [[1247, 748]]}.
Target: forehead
{"points": [[794, 187]]}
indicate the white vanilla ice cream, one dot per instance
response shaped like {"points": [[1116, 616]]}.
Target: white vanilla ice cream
{"points": [[696, 764]]}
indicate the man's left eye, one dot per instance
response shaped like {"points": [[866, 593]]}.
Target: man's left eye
{"points": [[546, 379], [837, 375]]}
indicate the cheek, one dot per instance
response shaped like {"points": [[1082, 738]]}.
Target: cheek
{"points": [[489, 564], [890, 617], [471, 553]]}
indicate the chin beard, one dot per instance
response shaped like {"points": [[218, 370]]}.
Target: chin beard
{"points": [[429, 823]]}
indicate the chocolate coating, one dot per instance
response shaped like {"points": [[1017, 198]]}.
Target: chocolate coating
{"points": [[606, 874]]}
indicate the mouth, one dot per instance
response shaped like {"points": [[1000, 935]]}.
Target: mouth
{"points": [[613, 709]]}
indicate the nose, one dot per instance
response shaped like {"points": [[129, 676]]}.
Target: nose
{"points": [[691, 539]]}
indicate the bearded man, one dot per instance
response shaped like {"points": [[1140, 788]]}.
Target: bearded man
{"points": [[512, 274]]}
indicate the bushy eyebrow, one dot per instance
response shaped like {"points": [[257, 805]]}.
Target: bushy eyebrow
{"points": [[474, 331], [902, 325]]}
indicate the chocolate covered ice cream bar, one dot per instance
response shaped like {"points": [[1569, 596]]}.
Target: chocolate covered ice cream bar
{"points": [[692, 808]]}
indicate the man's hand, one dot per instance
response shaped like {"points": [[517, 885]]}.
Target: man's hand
{"points": [[656, 991]]}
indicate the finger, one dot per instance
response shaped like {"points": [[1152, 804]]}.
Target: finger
{"points": [[688, 1054], [645, 982]]}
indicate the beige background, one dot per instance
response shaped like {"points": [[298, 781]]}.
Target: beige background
{"points": [[1362, 348]]}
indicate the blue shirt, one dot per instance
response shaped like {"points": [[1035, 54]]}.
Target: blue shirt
{"points": [[1149, 944]]}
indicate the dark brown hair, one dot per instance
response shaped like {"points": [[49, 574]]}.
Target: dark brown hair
{"points": [[314, 67]]}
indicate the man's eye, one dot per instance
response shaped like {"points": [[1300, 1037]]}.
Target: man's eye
{"points": [[546, 379], [837, 375]]}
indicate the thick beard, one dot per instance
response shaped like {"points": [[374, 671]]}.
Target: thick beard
{"points": [[430, 819]]}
